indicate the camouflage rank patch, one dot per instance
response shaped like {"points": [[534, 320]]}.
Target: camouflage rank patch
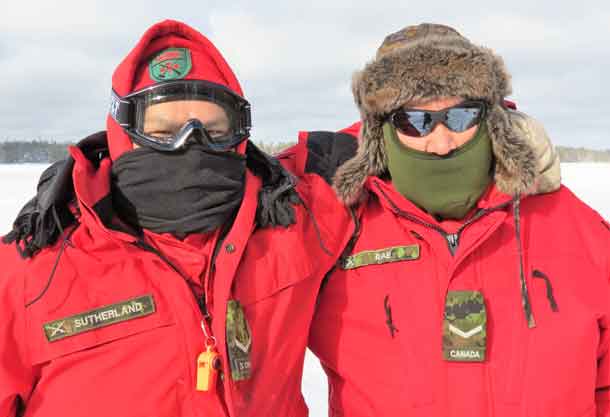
{"points": [[464, 327], [239, 341], [381, 256], [99, 317]]}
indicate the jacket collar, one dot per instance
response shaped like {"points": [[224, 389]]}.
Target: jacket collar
{"points": [[392, 200]]}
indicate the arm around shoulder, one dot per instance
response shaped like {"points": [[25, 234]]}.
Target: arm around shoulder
{"points": [[321, 152]]}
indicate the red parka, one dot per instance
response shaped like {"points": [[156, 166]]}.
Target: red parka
{"points": [[151, 293], [539, 264], [146, 366], [378, 326]]}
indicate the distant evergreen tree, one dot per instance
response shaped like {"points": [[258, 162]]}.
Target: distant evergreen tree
{"points": [[582, 155], [38, 151], [35, 151]]}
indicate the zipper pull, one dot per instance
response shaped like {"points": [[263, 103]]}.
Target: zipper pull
{"points": [[201, 302], [453, 242]]}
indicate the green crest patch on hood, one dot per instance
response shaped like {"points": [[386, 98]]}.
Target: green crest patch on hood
{"points": [[170, 64]]}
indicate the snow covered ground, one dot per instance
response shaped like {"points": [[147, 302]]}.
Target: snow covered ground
{"points": [[591, 182]]}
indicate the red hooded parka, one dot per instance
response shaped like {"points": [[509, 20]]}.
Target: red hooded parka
{"points": [[378, 328], [158, 289]]}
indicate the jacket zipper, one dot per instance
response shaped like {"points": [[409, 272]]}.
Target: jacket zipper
{"points": [[208, 284], [452, 239], [206, 320]]}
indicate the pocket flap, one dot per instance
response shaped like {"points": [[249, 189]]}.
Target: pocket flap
{"points": [[272, 272], [58, 334]]}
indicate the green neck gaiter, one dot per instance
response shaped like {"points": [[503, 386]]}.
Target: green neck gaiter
{"points": [[446, 187]]}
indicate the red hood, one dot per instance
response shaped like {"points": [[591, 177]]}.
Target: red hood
{"points": [[130, 75], [92, 190]]}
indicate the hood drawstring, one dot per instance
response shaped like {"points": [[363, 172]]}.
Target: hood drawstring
{"points": [[66, 242], [525, 298]]}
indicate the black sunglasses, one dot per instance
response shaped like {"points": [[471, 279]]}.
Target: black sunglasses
{"points": [[419, 123]]}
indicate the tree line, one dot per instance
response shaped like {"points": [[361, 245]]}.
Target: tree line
{"points": [[37, 151], [582, 155]]}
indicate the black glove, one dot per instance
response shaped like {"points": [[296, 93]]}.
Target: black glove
{"points": [[327, 151], [277, 195]]}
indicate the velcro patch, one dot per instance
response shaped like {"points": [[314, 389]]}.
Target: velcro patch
{"points": [[239, 341], [465, 327], [381, 256], [99, 317]]}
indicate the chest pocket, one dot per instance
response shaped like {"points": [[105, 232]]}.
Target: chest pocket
{"points": [[380, 300], [272, 263], [111, 365], [83, 326], [551, 369], [568, 293]]}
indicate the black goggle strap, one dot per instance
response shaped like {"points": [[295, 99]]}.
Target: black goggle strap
{"points": [[246, 116], [120, 110]]}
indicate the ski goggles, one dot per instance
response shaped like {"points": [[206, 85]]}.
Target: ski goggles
{"points": [[419, 123], [167, 115]]}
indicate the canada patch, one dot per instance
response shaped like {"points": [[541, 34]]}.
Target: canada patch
{"points": [[170, 64], [465, 327], [99, 317]]}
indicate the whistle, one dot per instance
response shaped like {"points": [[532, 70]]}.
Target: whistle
{"points": [[207, 369]]}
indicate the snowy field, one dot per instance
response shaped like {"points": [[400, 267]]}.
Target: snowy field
{"points": [[591, 182]]}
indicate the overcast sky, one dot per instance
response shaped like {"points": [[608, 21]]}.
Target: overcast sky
{"points": [[295, 59]]}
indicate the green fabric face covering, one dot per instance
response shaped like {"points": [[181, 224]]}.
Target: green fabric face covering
{"points": [[447, 187]]}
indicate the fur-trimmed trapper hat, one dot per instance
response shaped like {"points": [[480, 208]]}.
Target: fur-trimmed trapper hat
{"points": [[422, 63]]}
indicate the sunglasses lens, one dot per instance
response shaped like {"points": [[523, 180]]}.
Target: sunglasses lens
{"points": [[413, 123], [460, 119], [419, 123]]}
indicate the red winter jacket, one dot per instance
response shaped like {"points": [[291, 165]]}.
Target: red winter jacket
{"points": [[378, 327], [145, 366], [150, 289]]}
